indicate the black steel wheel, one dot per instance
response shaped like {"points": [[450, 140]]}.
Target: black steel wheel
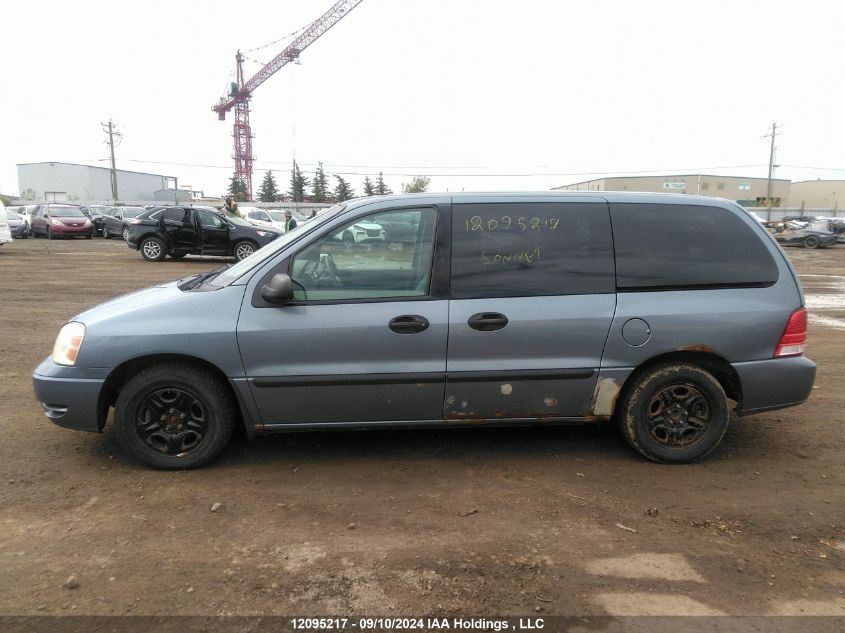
{"points": [[674, 413], [811, 241], [174, 416]]}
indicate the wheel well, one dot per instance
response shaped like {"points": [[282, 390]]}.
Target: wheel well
{"points": [[713, 363], [122, 373]]}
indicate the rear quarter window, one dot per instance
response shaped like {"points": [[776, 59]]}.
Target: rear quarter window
{"points": [[665, 246], [531, 249]]}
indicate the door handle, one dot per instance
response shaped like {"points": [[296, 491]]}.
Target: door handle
{"points": [[408, 324], [487, 321]]}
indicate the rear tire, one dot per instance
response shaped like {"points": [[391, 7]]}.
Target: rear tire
{"points": [[673, 413], [174, 416], [811, 241], [152, 249]]}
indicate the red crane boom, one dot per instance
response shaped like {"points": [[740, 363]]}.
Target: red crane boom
{"points": [[240, 93]]}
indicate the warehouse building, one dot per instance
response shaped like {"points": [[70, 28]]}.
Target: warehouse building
{"points": [[69, 182], [750, 191], [817, 194]]}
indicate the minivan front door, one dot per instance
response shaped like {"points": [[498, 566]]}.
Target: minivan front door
{"points": [[363, 340], [533, 297]]}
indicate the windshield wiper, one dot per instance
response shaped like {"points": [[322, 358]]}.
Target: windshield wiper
{"points": [[193, 282]]}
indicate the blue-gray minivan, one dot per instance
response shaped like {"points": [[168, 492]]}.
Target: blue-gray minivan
{"points": [[661, 312]]}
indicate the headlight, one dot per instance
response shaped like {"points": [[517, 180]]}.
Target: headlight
{"points": [[68, 343], [261, 233], [54, 222], [87, 221]]}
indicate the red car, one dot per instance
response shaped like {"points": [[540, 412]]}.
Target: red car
{"points": [[60, 220]]}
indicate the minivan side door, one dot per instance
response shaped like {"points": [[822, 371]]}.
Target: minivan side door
{"points": [[532, 300], [364, 339]]}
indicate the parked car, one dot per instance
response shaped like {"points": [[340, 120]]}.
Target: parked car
{"points": [[116, 221], [17, 227], [25, 212], [60, 220], [506, 309], [5, 234], [363, 232], [806, 237], [260, 217], [180, 231], [95, 213]]}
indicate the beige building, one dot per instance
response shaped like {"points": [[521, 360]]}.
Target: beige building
{"points": [[734, 188], [818, 194]]}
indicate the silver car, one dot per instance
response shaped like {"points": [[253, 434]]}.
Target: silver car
{"points": [[663, 313]]}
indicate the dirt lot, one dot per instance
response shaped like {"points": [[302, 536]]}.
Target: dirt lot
{"points": [[475, 521]]}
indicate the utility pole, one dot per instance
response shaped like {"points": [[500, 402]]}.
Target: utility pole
{"points": [[112, 132], [774, 132]]}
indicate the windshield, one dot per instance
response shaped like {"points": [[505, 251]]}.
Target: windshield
{"points": [[65, 212], [97, 210], [11, 215], [278, 216], [263, 254]]}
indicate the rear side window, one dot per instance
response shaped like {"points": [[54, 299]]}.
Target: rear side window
{"points": [[664, 246], [531, 249]]}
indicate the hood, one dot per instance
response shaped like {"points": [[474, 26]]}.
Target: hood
{"points": [[125, 304], [15, 222], [69, 219]]}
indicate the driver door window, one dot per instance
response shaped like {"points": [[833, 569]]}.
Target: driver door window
{"points": [[359, 261], [208, 220]]}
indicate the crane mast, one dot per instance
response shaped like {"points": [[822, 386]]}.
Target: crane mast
{"points": [[240, 91]]}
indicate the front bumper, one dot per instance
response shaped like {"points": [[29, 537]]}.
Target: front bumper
{"points": [[63, 229], [774, 384], [70, 396]]}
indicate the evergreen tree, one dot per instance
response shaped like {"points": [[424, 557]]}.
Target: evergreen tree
{"points": [[381, 188], [368, 187], [237, 189], [269, 191], [418, 184], [298, 183], [344, 190], [320, 188]]}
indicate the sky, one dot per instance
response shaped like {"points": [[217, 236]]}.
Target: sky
{"points": [[476, 94]]}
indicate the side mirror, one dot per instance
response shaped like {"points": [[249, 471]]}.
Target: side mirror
{"points": [[279, 290]]}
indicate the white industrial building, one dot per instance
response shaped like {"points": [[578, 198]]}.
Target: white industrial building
{"points": [[69, 182]]}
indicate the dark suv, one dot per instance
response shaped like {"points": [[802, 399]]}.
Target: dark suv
{"points": [[180, 231]]}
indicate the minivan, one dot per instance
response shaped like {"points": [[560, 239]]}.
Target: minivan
{"points": [[664, 313]]}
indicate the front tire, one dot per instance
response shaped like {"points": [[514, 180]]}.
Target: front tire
{"points": [[106, 235], [49, 234], [174, 416], [348, 240], [125, 233], [153, 250], [243, 249], [673, 413]]}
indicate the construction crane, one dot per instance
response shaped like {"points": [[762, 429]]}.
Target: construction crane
{"points": [[240, 91]]}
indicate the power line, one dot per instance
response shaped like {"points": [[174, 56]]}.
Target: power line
{"points": [[455, 175]]}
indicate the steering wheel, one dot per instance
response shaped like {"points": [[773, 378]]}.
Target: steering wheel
{"points": [[323, 268]]}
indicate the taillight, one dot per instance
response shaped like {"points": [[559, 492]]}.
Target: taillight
{"points": [[794, 338]]}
